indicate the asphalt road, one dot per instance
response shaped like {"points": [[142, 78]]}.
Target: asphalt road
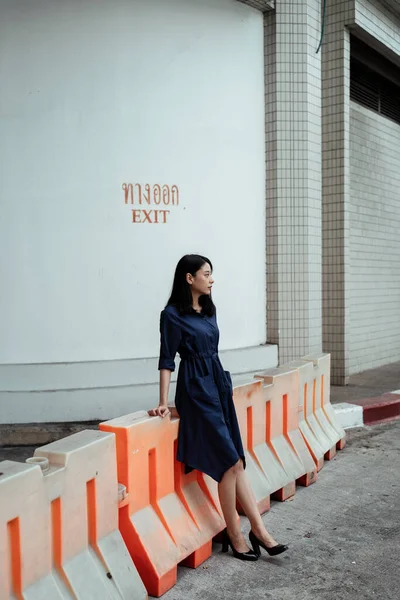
{"points": [[343, 532]]}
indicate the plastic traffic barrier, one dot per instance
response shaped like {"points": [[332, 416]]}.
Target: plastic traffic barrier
{"points": [[249, 399], [169, 517], [322, 406], [319, 442], [59, 536], [286, 438], [258, 408], [304, 372]]}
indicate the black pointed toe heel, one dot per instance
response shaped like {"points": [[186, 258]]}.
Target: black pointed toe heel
{"points": [[226, 543], [274, 551]]}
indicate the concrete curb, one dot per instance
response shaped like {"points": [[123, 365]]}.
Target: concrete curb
{"points": [[368, 411], [349, 415]]}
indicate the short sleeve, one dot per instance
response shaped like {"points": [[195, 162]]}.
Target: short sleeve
{"points": [[170, 338]]}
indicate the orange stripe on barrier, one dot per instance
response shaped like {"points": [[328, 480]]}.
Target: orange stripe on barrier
{"points": [[15, 556], [56, 533], [171, 517]]}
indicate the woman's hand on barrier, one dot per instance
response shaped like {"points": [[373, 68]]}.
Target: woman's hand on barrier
{"points": [[160, 411]]}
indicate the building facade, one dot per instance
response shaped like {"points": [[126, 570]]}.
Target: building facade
{"points": [[134, 132]]}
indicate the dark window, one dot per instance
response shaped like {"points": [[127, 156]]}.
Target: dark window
{"points": [[373, 81]]}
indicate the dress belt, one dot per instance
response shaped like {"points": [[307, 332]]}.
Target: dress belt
{"points": [[200, 355]]}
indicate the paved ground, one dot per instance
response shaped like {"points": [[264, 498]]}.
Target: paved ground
{"points": [[369, 384], [343, 532], [344, 535]]}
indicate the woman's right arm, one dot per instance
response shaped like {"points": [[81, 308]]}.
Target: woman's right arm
{"points": [[162, 409], [170, 337]]}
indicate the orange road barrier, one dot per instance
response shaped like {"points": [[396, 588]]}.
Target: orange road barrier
{"points": [[249, 398], [169, 517], [304, 372], [258, 414], [282, 384], [59, 534], [322, 405], [312, 429]]}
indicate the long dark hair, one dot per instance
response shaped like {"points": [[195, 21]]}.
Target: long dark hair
{"points": [[181, 295]]}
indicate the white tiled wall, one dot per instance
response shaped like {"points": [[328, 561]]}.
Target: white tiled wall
{"points": [[374, 240], [379, 27], [335, 185], [293, 137], [375, 19]]}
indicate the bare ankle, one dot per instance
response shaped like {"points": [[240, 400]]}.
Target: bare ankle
{"points": [[235, 532], [237, 540], [258, 530], [262, 534]]}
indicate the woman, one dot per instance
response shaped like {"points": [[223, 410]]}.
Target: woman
{"points": [[209, 438]]}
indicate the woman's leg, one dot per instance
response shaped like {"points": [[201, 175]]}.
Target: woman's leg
{"points": [[227, 497], [249, 504]]}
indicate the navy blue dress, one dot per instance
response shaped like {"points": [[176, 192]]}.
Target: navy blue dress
{"points": [[209, 437]]}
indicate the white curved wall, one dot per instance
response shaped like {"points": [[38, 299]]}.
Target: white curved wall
{"points": [[101, 93]]}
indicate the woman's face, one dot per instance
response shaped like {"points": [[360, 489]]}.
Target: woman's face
{"points": [[202, 281]]}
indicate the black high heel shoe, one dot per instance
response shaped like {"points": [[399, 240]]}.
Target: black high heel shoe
{"points": [[274, 551], [226, 542]]}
